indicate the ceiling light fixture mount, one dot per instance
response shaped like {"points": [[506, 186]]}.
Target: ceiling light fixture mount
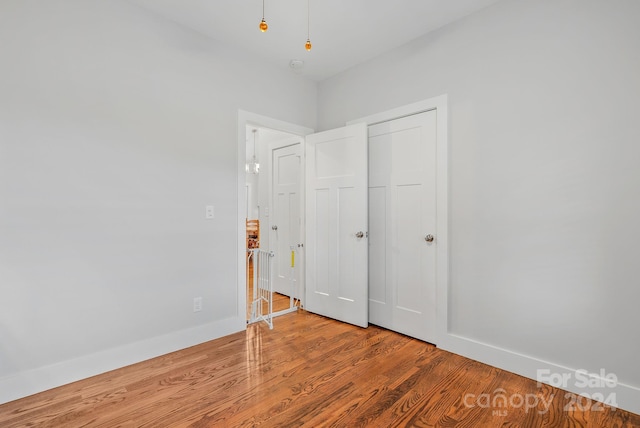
{"points": [[263, 24], [296, 64]]}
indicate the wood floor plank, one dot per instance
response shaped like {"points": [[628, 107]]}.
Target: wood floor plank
{"points": [[309, 371]]}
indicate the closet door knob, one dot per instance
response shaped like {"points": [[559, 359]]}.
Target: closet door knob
{"points": [[274, 227], [429, 238], [360, 235]]}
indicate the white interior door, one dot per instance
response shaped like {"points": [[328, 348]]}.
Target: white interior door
{"points": [[336, 224], [402, 213], [285, 215]]}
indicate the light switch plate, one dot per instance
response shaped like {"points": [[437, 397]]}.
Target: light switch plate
{"points": [[210, 212]]}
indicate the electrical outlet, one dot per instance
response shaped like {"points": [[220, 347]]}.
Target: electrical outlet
{"points": [[197, 304], [210, 212]]}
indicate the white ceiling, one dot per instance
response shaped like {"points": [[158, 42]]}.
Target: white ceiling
{"points": [[343, 32]]}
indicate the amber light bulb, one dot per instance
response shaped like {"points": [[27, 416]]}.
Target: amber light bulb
{"points": [[263, 25], [307, 45]]}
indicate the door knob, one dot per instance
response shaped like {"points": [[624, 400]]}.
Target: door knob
{"points": [[274, 227], [429, 238], [360, 235]]}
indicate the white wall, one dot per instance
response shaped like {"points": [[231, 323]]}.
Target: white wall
{"points": [[544, 177], [117, 127]]}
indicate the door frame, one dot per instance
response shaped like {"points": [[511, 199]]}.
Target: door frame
{"points": [[252, 119], [440, 104]]}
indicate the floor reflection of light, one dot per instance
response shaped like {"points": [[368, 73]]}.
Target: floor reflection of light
{"points": [[253, 354]]}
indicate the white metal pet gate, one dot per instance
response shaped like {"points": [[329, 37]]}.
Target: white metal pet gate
{"points": [[262, 299], [262, 280]]}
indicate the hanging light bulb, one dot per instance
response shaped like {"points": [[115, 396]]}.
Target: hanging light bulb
{"points": [[253, 167], [263, 24], [307, 45]]}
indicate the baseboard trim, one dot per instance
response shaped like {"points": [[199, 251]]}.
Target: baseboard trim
{"points": [[626, 397], [41, 379]]}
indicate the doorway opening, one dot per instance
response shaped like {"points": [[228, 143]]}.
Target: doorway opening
{"points": [[273, 222]]}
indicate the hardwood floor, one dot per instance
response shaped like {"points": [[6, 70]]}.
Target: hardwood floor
{"points": [[308, 371]]}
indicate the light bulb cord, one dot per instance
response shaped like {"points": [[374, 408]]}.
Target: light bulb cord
{"points": [[308, 20]]}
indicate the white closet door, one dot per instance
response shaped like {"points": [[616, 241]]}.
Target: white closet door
{"points": [[336, 224], [402, 214]]}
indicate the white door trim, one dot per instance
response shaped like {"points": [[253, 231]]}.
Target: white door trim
{"points": [[247, 118], [440, 104]]}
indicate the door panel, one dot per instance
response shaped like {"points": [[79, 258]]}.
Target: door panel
{"points": [[320, 265], [347, 245], [402, 167], [411, 249], [336, 210], [377, 244]]}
